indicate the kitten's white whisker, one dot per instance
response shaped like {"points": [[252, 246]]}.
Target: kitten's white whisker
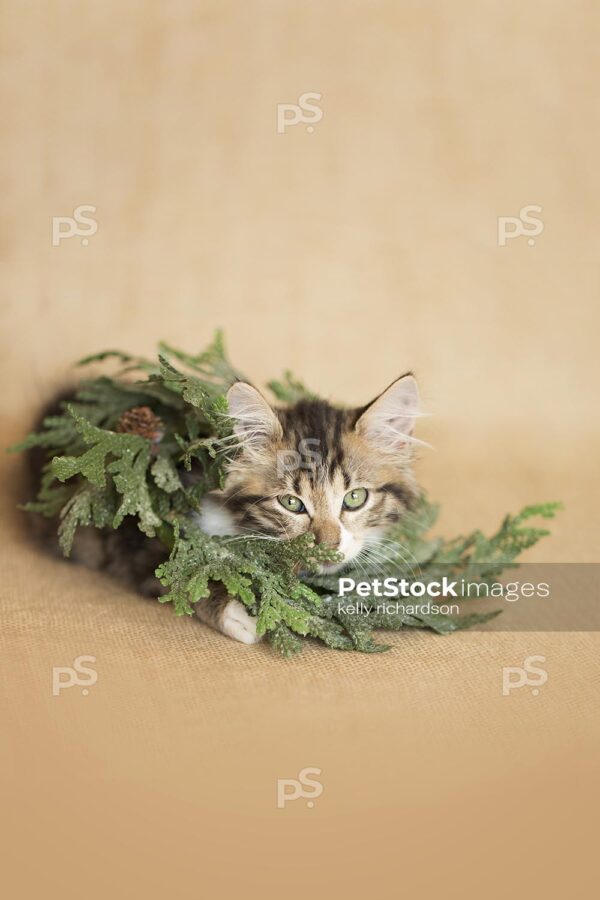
{"points": [[251, 537], [384, 558], [231, 496], [397, 546], [405, 438], [393, 560]]}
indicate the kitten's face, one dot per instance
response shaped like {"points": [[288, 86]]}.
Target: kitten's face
{"points": [[341, 474]]}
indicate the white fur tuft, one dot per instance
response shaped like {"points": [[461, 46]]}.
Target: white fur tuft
{"points": [[214, 519]]}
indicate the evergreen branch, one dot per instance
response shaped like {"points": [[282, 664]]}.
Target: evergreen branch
{"points": [[124, 457], [97, 474]]}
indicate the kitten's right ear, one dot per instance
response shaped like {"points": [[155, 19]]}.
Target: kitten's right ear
{"points": [[388, 421], [255, 423]]}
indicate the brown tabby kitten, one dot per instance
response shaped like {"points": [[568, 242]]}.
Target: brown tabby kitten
{"points": [[343, 474]]}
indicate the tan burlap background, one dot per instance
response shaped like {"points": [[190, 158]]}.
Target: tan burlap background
{"points": [[349, 253]]}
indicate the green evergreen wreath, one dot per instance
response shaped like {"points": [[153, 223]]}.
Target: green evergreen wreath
{"points": [[119, 449]]}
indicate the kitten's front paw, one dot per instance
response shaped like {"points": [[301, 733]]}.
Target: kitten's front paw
{"points": [[237, 623]]}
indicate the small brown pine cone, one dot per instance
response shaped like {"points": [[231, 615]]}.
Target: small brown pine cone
{"points": [[141, 420]]}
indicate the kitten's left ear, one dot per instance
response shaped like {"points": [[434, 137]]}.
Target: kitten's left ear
{"points": [[389, 421]]}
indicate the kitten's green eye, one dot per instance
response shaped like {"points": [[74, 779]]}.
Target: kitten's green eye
{"points": [[356, 498], [294, 504]]}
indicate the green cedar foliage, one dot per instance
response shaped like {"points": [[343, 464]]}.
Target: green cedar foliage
{"points": [[96, 475]]}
